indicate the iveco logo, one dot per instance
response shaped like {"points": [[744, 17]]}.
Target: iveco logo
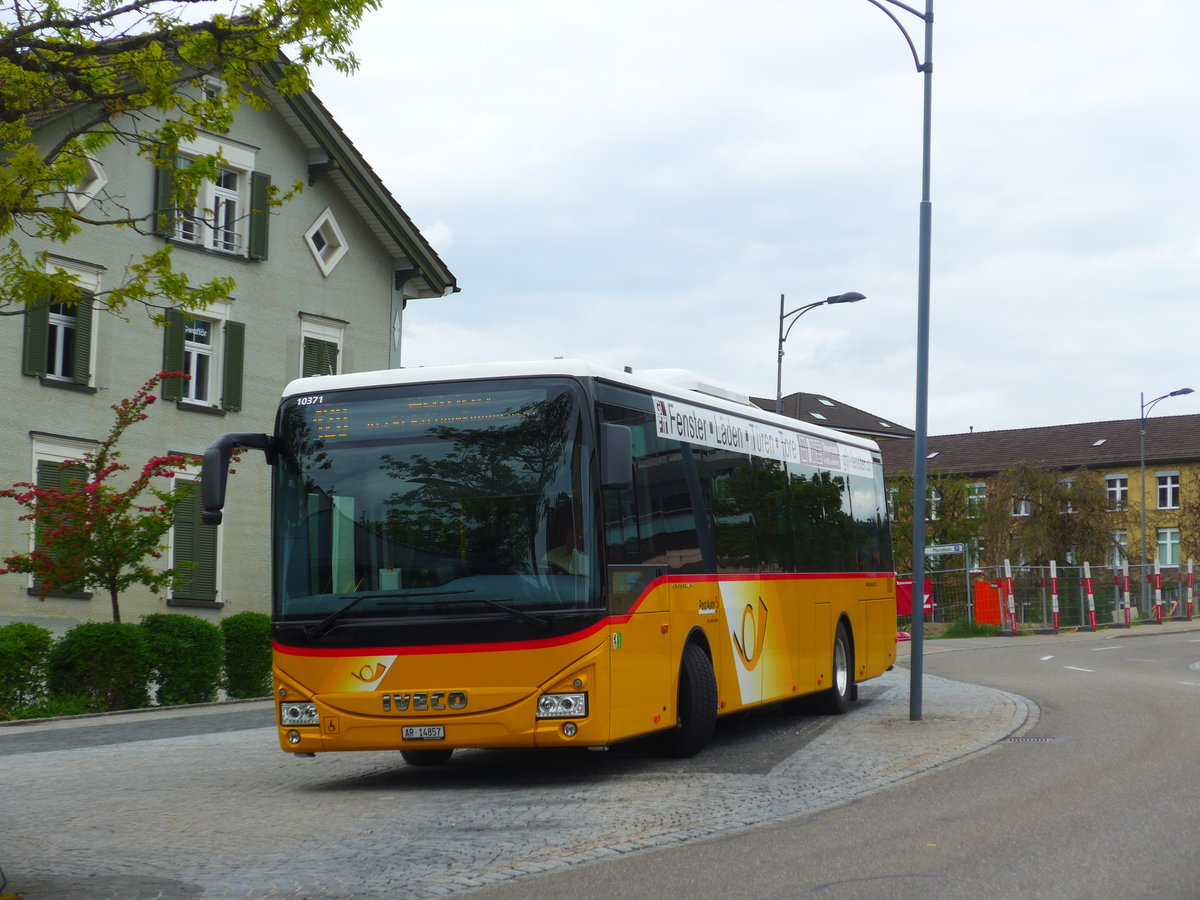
{"points": [[425, 700]]}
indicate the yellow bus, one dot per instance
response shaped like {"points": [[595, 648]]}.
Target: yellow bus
{"points": [[559, 555]]}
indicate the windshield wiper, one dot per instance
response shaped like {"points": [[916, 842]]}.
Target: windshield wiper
{"points": [[334, 618], [518, 614]]}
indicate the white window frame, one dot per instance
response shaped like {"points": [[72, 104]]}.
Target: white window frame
{"points": [[216, 315], [1068, 503], [933, 500], [321, 329], [1117, 486], [1022, 506], [88, 279], [83, 193], [1168, 546], [1167, 482], [976, 497], [1119, 552], [61, 339], [213, 201], [326, 242]]}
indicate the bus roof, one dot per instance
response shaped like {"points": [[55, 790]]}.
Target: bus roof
{"points": [[678, 384]]}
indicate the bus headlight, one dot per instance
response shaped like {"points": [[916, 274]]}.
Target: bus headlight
{"points": [[560, 706], [298, 713]]}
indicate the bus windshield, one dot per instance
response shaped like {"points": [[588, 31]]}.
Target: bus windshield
{"points": [[432, 502]]}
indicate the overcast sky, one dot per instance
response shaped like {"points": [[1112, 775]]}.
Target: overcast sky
{"points": [[635, 182]]}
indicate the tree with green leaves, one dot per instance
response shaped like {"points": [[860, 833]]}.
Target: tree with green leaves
{"points": [[1038, 515], [950, 516], [90, 532], [76, 77]]}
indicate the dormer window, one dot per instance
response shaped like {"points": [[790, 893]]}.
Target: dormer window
{"points": [[326, 242]]}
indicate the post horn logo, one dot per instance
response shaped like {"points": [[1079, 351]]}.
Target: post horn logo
{"points": [[754, 631], [368, 674]]}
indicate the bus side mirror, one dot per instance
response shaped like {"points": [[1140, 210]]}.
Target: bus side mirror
{"points": [[616, 457], [215, 469]]}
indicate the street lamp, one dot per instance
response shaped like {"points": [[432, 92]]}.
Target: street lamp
{"points": [[921, 438], [1146, 407], [848, 297]]}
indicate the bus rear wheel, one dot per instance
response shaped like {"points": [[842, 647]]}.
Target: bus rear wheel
{"points": [[836, 700], [696, 707], [426, 757]]}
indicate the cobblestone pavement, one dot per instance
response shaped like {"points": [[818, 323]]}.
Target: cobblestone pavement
{"points": [[227, 815]]}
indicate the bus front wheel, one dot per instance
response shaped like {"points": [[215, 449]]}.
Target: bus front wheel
{"points": [[836, 700], [426, 757], [696, 706]]}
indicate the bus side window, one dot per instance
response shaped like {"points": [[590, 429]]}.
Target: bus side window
{"points": [[651, 522]]}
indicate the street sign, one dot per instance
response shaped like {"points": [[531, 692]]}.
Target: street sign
{"points": [[945, 549]]}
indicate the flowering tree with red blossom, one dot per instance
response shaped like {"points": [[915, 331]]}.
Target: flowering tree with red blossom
{"points": [[94, 534]]}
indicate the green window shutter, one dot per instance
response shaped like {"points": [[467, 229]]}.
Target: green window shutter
{"points": [[37, 336], [320, 357], [195, 549], [234, 362], [164, 185], [83, 340], [51, 474], [260, 214], [173, 336]]}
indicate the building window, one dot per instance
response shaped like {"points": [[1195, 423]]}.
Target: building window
{"points": [[321, 345], [326, 242], [209, 348], [933, 498], [1067, 504], [88, 187], [1168, 490], [58, 336], [1118, 491], [194, 549], [1168, 546], [49, 471], [1022, 506], [197, 359], [1119, 551], [232, 212], [976, 496]]}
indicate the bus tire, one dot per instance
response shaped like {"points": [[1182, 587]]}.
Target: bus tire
{"points": [[836, 700], [427, 757], [696, 707]]}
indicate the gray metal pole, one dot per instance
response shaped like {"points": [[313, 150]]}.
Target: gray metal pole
{"points": [[779, 364], [1144, 604], [921, 441]]}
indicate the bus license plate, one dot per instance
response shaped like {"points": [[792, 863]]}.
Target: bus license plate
{"points": [[424, 732]]}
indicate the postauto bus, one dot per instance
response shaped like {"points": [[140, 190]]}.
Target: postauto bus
{"points": [[558, 555]]}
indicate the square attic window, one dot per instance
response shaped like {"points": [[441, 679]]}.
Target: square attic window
{"points": [[826, 402], [325, 241], [92, 183], [817, 415]]}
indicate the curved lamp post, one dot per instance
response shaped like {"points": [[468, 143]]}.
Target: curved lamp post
{"points": [[1146, 407], [921, 438], [794, 315]]}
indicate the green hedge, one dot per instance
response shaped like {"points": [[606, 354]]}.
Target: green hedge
{"points": [[102, 666], [105, 664], [247, 655], [186, 655], [24, 657]]}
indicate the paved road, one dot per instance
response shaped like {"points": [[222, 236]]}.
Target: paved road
{"points": [[1096, 798], [174, 804]]}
